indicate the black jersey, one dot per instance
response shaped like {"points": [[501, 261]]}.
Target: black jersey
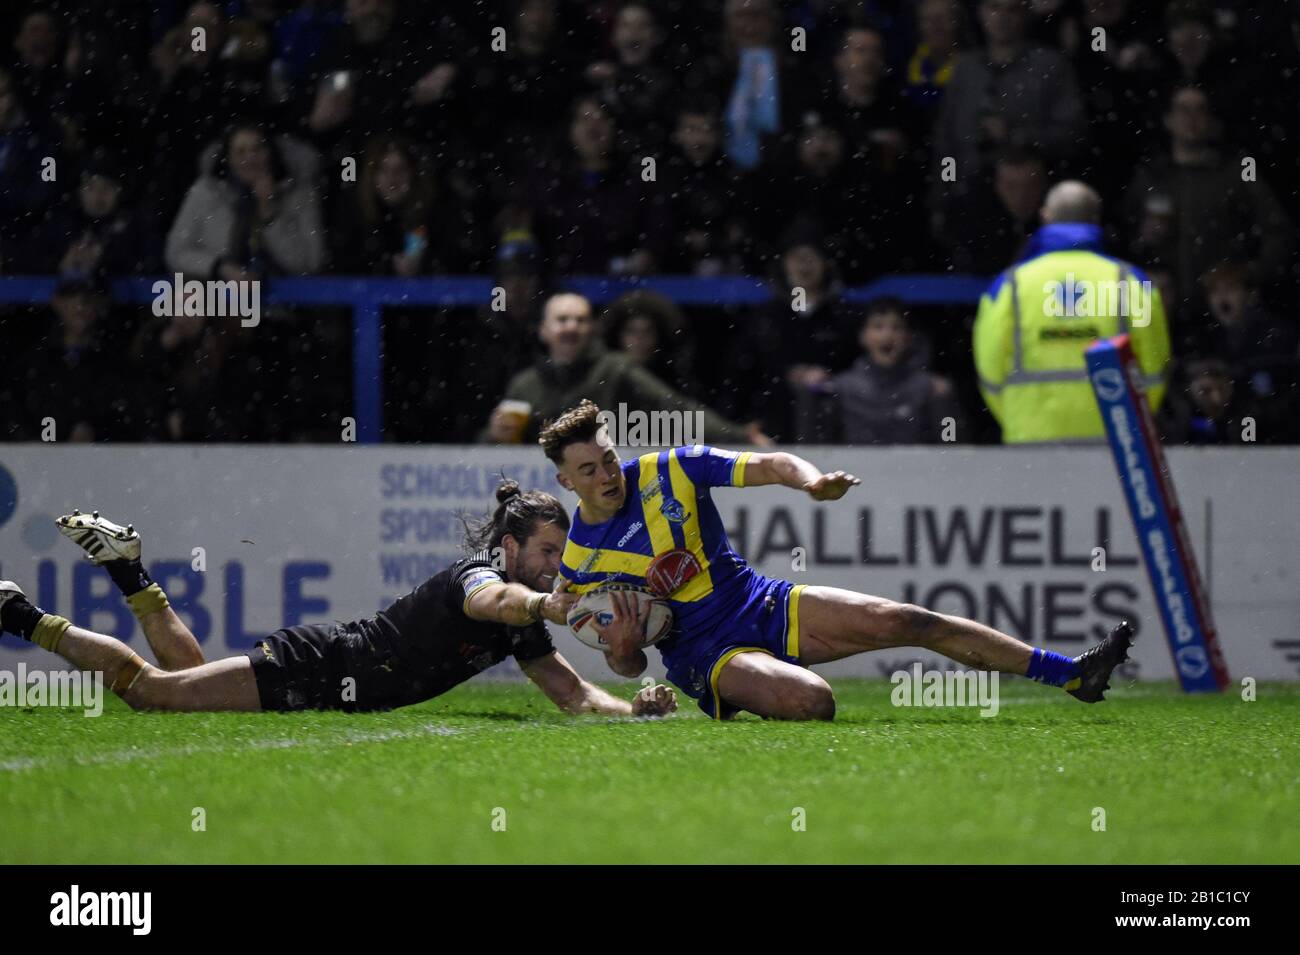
{"points": [[420, 647], [430, 629]]}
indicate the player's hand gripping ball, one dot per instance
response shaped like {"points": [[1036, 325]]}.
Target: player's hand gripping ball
{"points": [[596, 608]]}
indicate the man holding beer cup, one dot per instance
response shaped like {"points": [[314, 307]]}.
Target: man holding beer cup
{"points": [[577, 365]]}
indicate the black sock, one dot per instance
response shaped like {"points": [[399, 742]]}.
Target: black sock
{"points": [[129, 575], [19, 617]]}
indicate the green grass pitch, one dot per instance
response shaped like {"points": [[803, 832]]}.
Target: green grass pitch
{"points": [[1181, 780]]}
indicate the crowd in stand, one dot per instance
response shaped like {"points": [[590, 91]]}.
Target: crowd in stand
{"points": [[818, 144]]}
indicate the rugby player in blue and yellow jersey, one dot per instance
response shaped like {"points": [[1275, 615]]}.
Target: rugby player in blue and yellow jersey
{"points": [[740, 640]]}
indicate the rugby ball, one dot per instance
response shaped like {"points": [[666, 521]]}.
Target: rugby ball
{"points": [[597, 606]]}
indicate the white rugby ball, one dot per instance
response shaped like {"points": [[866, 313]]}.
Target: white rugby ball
{"points": [[597, 606]]}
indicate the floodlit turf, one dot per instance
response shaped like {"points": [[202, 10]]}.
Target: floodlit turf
{"points": [[1181, 779]]}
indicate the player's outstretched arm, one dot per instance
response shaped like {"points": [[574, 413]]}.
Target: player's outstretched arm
{"points": [[790, 470], [571, 693], [517, 606]]}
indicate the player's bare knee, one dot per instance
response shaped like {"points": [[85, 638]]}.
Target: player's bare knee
{"points": [[814, 701], [821, 705]]}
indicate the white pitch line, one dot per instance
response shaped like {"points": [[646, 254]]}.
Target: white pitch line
{"points": [[431, 729], [1122, 693], [134, 755]]}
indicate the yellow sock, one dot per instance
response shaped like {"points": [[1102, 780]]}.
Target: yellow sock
{"points": [[147, 601], [49, 631]]}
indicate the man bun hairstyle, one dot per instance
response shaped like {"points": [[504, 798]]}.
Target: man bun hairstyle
{"points": [[518, 513], [508, 489]]}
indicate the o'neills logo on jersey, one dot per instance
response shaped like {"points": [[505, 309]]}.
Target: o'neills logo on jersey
{"points": [[631, 532], [670, 571]]}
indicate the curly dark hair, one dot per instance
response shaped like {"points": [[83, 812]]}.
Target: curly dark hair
{"points": [[578, 424]]}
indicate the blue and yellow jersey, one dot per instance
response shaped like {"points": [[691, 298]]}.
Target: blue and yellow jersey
{"points": [[668, 508]]}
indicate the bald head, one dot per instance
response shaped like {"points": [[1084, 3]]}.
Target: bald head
{"points": [[1072, 201]]}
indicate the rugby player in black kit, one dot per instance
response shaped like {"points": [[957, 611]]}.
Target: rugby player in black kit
{"points": [[456, 624]]}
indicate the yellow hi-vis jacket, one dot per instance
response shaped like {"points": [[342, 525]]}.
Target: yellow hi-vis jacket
{"points": [[1038, 317]]}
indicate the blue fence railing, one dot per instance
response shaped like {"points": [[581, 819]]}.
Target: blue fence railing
{"points": [[367, 297]]}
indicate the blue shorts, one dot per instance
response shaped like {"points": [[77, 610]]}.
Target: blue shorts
{"points": [[767, 623]]}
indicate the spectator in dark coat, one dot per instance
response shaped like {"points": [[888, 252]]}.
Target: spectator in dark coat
{"points": [[39, 48], [597, 215], [485, 353], [1241, 330], [864, 224], [1117, 81], [1001, 215], [882, 132], [763, 86], [381, 74], [402, 220], [1007, 93], [201, 374], [708, 199], [198, 91], [865, 103], [522, 94], [71, 379], [803, 337], [1273, 95], [1194, 54], [1211, 409], [95, 234], [1191, 208], [636, 85], [25, 190]]}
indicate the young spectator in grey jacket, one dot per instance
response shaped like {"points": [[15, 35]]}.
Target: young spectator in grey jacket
{"points": [[887, 397]]}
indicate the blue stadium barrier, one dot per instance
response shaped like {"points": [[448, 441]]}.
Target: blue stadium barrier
{"points": [[367, 297]]}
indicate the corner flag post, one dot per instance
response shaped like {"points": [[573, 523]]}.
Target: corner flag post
{"points": [[1171, 564]]}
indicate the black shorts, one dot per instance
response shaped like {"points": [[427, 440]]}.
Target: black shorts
{"points": [[342, 666]]}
